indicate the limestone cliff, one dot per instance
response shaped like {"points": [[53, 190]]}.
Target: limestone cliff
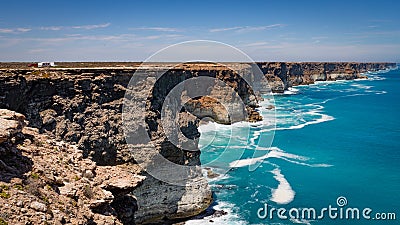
{"points": [[83, 106], [282, 75], [85, 110]]}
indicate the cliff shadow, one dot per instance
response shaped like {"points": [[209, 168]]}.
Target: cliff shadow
{"points": [[12, 163]]}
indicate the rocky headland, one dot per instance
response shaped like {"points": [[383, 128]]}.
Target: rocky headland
{"points": [[63, 154], [282, 75]]}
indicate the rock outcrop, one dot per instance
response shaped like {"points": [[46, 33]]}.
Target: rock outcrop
{"points": [[44, 181], [11, 123], [75, 151], [282, 75]]}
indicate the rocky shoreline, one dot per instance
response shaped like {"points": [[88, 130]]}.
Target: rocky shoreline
{"points": [[64, 159], [282, 75]]}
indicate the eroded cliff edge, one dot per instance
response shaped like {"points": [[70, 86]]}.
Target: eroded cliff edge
{"points": [[83, 107], [282, 75]]}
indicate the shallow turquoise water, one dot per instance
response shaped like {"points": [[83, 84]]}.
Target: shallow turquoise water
{"points": [[331, 139]]}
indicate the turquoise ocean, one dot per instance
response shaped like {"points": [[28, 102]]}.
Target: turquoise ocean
{"points": [[330, 140]]}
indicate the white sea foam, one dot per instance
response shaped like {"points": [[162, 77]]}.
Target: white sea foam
{"points": [[375, 76], [273, 152], [300, 221], [361, 86], [284, 193], [307, 164], [258, 148], [247, 162], [291, 91], [207, 127], [324, 118], [381, 92], [283, 119], [229, 218]]}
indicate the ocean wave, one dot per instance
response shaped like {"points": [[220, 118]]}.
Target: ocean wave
{"points": [[300, 221], [284, 193], [374, 77], [213, 126], [274, 152], [247, 162], [293, 115], [324, 118], [361, 86], [229, 218], [307, 164], [381, 92], [291, 91]]}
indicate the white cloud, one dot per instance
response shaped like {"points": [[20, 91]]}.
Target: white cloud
{"points": [[23, 29], [256, 44], [84, 27], [161, 29], [225, 29], [53, 28], [119, 38], [39, 50], [6, 31], [247, 28], [91, 27], [14, 30]]}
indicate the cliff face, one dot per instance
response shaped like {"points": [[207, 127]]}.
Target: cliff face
{"points": [[86, 110], [84, 107], [282, 75]]}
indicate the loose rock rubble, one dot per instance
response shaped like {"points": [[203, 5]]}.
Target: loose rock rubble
{"points": [[43, 181]]}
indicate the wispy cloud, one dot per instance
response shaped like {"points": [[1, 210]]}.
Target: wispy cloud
{"points": [[53, 28], [14, 30], [91, 27], [154, 37], [6, 30], [84, 27], [78, 37], [119, 38], [38, 50], [23, 29], [225, 29], [160, 29], [256, 44], [247, 28]]}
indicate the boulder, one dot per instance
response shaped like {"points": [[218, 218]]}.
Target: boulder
{"points": [[11, 123]]}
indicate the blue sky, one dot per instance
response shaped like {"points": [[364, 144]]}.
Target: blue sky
{"points": [[265, 30]]}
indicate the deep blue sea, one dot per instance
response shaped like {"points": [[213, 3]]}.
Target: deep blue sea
{"points": [[330, 140]]}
